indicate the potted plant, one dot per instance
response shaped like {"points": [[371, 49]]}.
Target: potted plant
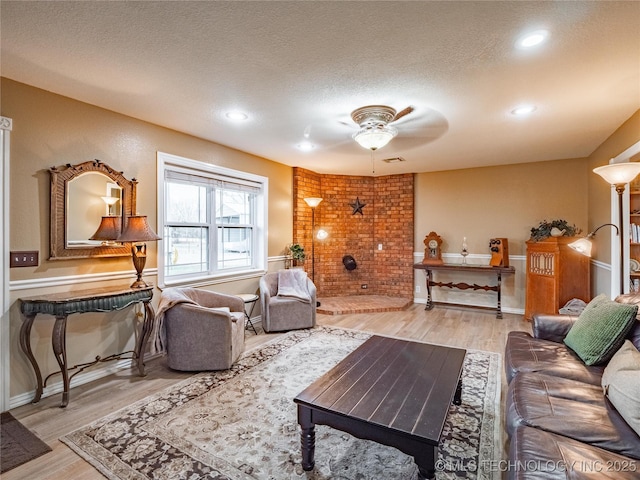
{"points": [[296, 251], [554, 228]]}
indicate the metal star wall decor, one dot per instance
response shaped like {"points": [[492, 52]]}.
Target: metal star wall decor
{"points": [[357, 206]]}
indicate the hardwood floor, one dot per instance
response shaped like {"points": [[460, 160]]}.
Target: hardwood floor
{"points": [[454, 326]]}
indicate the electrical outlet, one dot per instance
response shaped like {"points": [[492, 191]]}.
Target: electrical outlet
{"points": [[379, 246], [23, 259], [364, 286], [417, 288]]}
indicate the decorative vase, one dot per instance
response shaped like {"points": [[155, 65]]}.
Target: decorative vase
{"points": [[464, 251]]}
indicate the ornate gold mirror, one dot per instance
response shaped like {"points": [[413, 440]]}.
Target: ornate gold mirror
{"points": [[81, 197]]}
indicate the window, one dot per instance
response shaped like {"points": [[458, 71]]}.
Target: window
{"points": [[212, 219]]}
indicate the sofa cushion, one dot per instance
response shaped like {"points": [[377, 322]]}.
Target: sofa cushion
{"points": [[600, 329], [571, 409], [552, 327], [523, 353], [534, 453], [621, 382]]}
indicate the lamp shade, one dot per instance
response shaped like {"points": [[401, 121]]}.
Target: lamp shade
{"points": [[583, 246], [138, 230], [375, 137], [618, 173], [110, 200], [313, 202], [108, 230]]}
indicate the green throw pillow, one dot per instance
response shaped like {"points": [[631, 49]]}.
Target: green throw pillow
{"points": [[600, 329]]}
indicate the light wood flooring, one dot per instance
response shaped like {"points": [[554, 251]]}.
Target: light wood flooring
{"points": [[460, 327]]}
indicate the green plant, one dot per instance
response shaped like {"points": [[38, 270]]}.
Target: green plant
{"points": [[296, 251], [543, 230]]}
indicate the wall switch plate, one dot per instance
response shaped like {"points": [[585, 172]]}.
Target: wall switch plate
{"points": [[417, 288], [379, 246], [23, 259]]}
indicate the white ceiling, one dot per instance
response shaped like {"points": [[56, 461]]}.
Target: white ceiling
{"points": [[303, 66]]}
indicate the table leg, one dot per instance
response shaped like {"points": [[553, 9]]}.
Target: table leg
{"points": [[59, 343], [499, 311], [25, 345], [143, 338], [457, 397], [307, 438], [429, 298], [248, 317], [427, 464]]}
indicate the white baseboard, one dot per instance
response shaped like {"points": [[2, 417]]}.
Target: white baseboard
{"points": [[80, 379]]}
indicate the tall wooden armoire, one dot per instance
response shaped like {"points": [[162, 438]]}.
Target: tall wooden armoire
{"points": [[555, 274]]}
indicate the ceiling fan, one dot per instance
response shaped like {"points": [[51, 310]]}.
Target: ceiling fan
{"points": [[375, 131]]}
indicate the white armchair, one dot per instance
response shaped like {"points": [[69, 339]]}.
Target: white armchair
{"points": [[281, 313]]}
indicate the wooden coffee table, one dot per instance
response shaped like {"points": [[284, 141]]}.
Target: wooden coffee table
{"points": [[391, 391]]}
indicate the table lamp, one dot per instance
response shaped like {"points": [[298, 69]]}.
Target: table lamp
{"points": [[138, 231]]}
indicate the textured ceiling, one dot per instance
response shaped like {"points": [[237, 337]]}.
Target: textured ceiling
{"points": [[302, 67]]}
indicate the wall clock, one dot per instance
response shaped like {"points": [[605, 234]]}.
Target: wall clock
{"points": [[433, 250]]}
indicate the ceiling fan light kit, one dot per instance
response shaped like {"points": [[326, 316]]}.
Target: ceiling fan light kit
{"points": [[374, 137], [374, 120]]}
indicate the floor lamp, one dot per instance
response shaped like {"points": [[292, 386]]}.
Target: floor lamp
{"points": [[313, 202], [618, 175]]}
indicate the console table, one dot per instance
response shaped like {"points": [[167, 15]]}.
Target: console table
{"points": [[61, 305], [464, 269]]}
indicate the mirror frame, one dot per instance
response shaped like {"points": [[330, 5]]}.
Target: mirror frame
{"points": [[60, 176]]}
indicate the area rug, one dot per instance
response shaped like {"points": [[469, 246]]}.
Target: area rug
{"points": [[19, 444], [241, 424]]}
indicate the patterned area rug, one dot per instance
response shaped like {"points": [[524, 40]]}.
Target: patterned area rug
{"points": [[241, 424]]}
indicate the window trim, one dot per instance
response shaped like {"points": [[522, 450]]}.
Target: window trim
{"points": [[167, 161]]}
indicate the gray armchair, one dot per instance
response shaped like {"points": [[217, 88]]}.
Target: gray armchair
{"points": [[203, 330], [281, 313]]}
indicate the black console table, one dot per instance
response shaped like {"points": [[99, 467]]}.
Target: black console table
{"points": [[61, 305], [464, 268]]}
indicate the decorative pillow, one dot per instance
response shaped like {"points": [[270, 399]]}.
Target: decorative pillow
{"points": [[621, 383], [600, 329]]}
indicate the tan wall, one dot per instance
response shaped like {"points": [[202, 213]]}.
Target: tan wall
{"points": [[599, 191], [504, 201], [600, 194], [51, 130]]}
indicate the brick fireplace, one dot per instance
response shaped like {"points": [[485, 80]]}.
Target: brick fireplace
{"points": [[386, 221]]}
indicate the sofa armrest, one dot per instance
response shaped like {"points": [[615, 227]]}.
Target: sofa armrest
{"points": [[551, 326], [211, 299], [207, 315]]}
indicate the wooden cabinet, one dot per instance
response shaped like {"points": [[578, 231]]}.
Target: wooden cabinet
{"points": [[555, 275]]}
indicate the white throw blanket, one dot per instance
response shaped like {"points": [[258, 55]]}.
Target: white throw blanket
{"points": [[170, 297], [293, 284]]}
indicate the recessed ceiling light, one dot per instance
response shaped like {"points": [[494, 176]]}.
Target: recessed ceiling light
{"points": [[305, 146], [523, 110], [236, 116], [532, 39]]}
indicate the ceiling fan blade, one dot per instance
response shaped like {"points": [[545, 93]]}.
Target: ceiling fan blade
{"points": [[402, 113]]}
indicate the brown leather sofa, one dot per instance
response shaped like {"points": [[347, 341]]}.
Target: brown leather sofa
{"points": [[560, 423]]}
